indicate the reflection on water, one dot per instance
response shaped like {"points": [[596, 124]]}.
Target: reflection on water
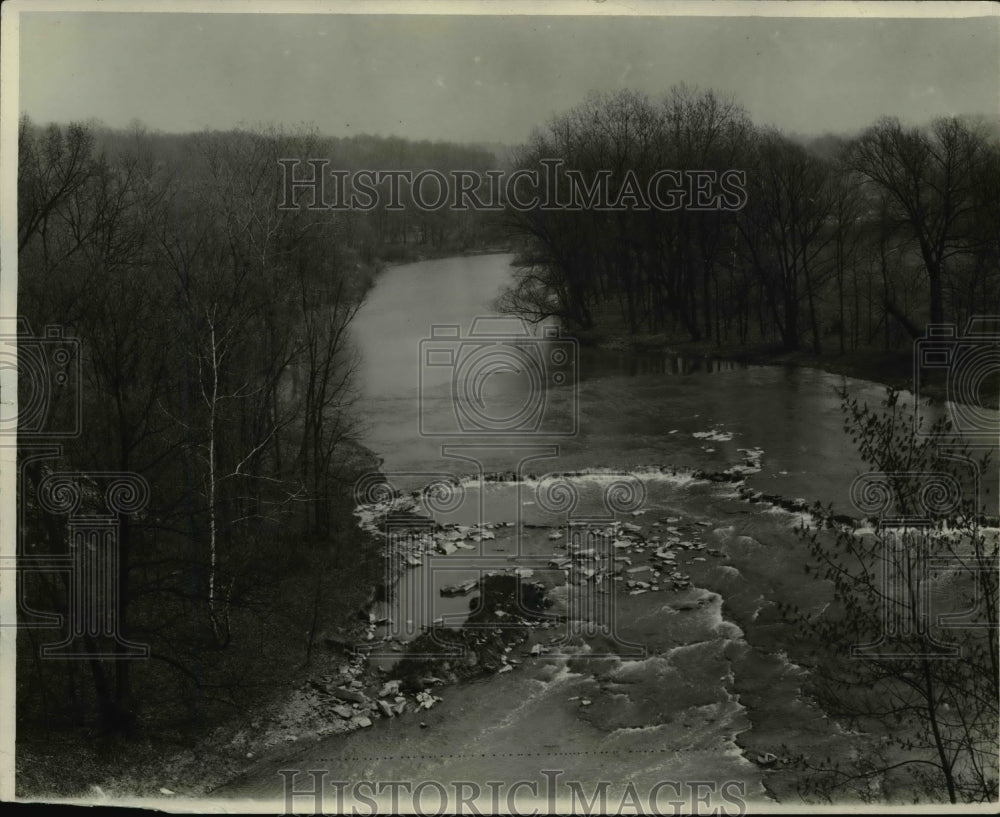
{"points": [[639, 362], [429, 380], [626, 409]]}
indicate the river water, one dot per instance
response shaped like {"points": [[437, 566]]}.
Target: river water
{"points": [[716, 681], [632, 409]]}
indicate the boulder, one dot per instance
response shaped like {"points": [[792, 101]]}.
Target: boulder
{"points": [[460, 589], [351, 695], [426, 700], [378, 613], [389, 688]]}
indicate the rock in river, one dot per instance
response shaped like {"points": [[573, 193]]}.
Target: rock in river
{"points": [[351, 695], [461, 588]]}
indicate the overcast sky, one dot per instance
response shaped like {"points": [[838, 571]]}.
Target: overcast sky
{"points": [[491, 79]]}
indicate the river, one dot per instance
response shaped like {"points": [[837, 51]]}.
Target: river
{"points": [[713, 688]]}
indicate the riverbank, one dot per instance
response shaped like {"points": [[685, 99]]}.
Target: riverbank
{"points": [[396, 255], [894, 368]]}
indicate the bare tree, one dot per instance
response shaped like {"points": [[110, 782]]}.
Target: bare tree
{"points": [[927, 696], [928, 176], [784, 230]]}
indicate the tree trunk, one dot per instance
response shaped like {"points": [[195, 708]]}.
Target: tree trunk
{"points": [[936, 295]]}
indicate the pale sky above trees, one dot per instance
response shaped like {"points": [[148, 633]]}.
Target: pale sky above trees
{"points": [[491, 79]]}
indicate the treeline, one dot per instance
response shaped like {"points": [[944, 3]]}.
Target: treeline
{"points": [[203, 340], [412, 232], [381, 234], [842, 244]]}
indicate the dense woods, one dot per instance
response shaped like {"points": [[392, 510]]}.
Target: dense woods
{"points": [[843, 244], [209, 331]]}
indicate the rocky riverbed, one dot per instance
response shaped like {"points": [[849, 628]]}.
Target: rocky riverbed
{"points": [[645, 645], [672, 661]]}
